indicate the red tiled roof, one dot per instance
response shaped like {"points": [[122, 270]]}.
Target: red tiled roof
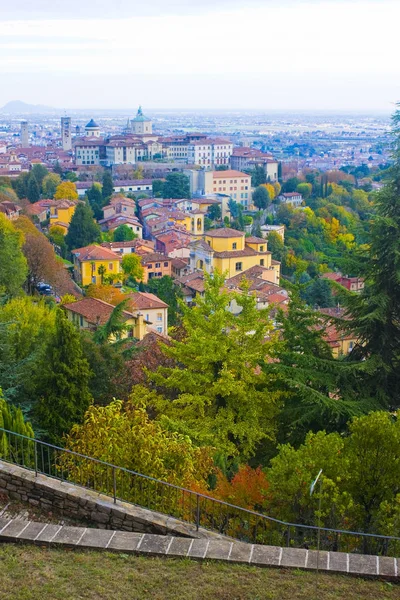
{"points": [[228, 174], [224, 232], [95, 311], [94, 252], [143, 300], [254, 240]]}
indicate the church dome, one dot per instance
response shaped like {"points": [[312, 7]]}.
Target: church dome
{"points": [[91, 125], [140, 117]]}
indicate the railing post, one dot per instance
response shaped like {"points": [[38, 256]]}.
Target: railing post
{"points": [[36, 459], [197, 512], [288, 537], [115, 485]]}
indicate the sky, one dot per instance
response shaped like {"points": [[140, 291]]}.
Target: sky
{"points": [[206, 54]]}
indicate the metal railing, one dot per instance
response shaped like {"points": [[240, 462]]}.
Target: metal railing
{"points": [[195, 508]]}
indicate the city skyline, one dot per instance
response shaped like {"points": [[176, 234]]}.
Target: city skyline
{"points": [[293, 55]]}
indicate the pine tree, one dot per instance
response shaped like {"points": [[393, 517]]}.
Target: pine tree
{"points": [[375, 313], [83, 230], [62, 382], [13, 265]]}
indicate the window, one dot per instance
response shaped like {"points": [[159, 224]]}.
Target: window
{"points": [[261, 248], [147, 317], [149, 266], [158, 265], [94, 279], [159, 316], [234, 246], [166, 264], [238, 266], [159, 329], [261, 262], [81, 321], [110, 266]]}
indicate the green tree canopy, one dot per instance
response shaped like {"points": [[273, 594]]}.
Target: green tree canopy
{"points": [[83, 230], [108, 186], [33, 189], [61, 382], [261, 197], [123, 233], [216, 393], [13, 265], [176, 186]]}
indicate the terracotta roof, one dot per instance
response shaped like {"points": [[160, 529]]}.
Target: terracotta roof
{"points": [[154, 257], [254, 240], [332, 276], [228, 174], [224, 232], [239, 253], [95, 311], [94, 252], [179, 263], [143, 300]]}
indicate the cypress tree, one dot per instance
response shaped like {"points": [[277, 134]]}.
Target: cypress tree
{"points": [[108, 186], [33, 190]]}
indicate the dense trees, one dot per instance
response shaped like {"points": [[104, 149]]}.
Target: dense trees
{"points": [[83, 230], [13, 265], [61, 382], [132, 266], [213, 394], [176, 186]]}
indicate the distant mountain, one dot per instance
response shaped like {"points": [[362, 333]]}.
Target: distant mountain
{"points": [[17, 107]]}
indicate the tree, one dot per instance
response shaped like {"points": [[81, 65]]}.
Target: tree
{"points": [[62, 382], [216, 393], [57, 237], [107, 293], [319, 293], [39, 172], [83, 230], [166, 289], [20, 184], [158, 188], [58, 170], [66, 191], [132, 266], [71, 176], [291, 185], [114, 327], [248, 488], [95, 198], [124, 435], [214, 212], [258, 176], [321, 392], [261, 197], [43, 264], [176, 186], [276, 245], [361, 474], [12, 419], [123, 233], [108, 186], [233, 208], [375, 313], [50, 184], [305, 189], [33, 191], [13, 265]]}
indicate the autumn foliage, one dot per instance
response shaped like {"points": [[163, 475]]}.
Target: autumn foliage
{"points": [[247, 489]]}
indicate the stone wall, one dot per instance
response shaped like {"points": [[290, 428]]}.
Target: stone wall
{"points": [[89, 507]]}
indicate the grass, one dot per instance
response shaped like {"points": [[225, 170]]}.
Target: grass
{"points": [[33, 573]]}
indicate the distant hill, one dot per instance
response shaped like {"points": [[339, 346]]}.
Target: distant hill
{"points": [[17, 107]]}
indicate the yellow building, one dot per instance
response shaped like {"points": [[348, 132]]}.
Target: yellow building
{"points": [[61, 213], [93, 263], [91, 313], [230, 252]]}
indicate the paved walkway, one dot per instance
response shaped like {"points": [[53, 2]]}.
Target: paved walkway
{"points": [[17, 531]]}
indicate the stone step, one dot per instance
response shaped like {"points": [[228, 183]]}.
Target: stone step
{"points": [[20, 531]]}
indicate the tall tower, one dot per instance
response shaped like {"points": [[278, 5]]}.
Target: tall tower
{"points": [[24, 134], [66, 133]]}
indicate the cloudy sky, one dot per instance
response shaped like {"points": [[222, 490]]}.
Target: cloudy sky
{"points": [[244, 54]]}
